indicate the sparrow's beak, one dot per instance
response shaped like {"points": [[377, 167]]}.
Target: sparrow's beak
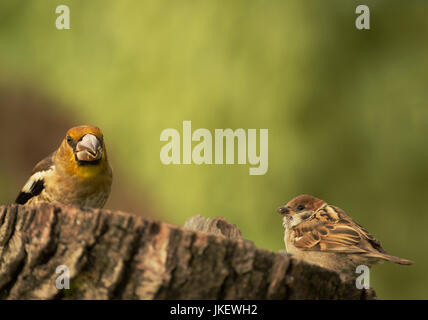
{"points": [[283, 210], [89, 148]]}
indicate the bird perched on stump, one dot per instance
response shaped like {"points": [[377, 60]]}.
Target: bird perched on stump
{"points": [[77, 173], [325, 235]]}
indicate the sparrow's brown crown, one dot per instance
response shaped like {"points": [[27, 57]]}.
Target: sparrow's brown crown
{"points": [[309, 202], [300, 203]]}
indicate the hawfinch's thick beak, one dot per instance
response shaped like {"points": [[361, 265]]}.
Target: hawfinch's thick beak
{"points": [[283, 210], [89, 148]]}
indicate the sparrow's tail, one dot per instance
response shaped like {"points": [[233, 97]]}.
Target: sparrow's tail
{"points": [[394, 259], [399, 260]]}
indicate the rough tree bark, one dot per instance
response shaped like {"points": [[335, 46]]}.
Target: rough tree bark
{"points": [[116, 255]]}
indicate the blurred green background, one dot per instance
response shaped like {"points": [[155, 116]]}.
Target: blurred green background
{"points": [[346, 109]]}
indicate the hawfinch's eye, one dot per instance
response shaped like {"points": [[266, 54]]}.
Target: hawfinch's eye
{"points": [[69, 140], [300, 207]]}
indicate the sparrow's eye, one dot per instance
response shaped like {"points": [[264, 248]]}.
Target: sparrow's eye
{"points": [[300, 207]]}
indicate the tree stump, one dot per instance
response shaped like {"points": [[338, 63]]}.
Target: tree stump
{"points": [[116, 255]]}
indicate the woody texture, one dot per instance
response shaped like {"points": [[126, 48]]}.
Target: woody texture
{"points": [[116, 255]]}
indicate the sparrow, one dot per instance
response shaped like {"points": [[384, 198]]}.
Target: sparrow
{"points": [[325, 235], [77, 173]]}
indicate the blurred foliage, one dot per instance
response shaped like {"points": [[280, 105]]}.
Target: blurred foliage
{"points": [[346, 109]]}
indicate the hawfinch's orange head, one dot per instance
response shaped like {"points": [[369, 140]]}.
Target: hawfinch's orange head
{"points": [[83, 151]]}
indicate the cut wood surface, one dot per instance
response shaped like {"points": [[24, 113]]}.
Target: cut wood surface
{"points": [[117, 255]]}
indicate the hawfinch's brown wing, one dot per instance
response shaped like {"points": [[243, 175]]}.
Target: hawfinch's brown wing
{"points": [[36, 183]]}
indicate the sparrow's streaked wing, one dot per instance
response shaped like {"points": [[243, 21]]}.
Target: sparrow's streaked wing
{"points": [[331, 229]]}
